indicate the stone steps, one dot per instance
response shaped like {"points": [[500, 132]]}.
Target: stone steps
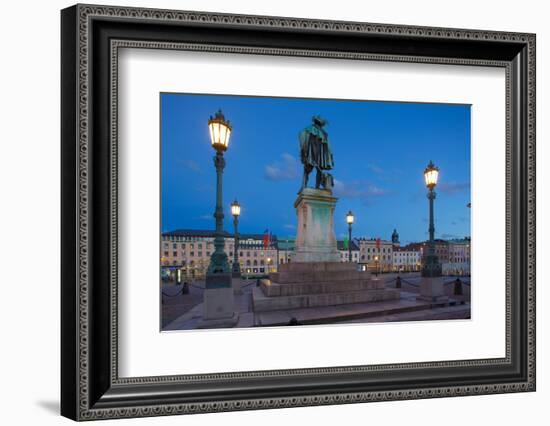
{"points": [[309, 267], [263, 303], [275, 289], [318, 276], [392, 310]]}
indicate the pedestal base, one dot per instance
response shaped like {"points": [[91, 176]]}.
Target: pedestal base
{"points": [[219, 323], [237, 284], [219, 304], [315, 239], [432, 290], [318, 284]]}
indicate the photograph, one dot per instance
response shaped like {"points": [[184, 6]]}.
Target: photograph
{"points": [[272, 208], [279, 211]]}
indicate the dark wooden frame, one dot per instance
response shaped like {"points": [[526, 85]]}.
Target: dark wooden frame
{"points": [[90, 386]]}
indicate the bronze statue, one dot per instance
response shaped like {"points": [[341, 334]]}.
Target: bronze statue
{"points": [[315, 153]]}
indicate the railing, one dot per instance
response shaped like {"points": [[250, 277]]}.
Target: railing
{"points": [[180, 291], [458, 282]]}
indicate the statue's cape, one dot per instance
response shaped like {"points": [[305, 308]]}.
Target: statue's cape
{"points": [[320, 156]]}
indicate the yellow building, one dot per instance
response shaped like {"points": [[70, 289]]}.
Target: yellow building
{"points": [[376, 254], [189, 251]]}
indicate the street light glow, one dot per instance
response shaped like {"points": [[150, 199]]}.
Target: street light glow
{"points": [[235, 208], [349, 218], [220, 130], [431, 174]]}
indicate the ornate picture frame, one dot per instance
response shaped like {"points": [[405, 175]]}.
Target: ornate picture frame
{"points": [[90, 39]]}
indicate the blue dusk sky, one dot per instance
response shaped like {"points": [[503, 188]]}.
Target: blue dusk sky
{"points": [[380, 151]]}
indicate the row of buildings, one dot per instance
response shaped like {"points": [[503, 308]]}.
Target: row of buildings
{"points": [[188, 251]]}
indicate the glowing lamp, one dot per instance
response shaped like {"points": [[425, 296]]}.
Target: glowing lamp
{"points": [[220, 130], [431, 174], [235, 208]]}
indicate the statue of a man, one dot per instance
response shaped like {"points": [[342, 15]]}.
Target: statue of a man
{"points": [[315, 153]]}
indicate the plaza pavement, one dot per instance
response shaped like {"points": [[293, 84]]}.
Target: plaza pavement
{"points": [[183, 311]]}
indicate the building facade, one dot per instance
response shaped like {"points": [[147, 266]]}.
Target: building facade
{"points": [[344, 251], [375, 255], [458, 262], [189, 252], [406, 259], [285, 249]]}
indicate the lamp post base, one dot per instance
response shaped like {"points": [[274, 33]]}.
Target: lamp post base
{"points": [[237, 284], [219, 323], [432, 290], [219, 301]]}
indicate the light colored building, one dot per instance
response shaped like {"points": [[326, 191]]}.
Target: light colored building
{"points": [[189, 251], [285, 248], [406, 259], [344, 251], [458, 262], [375, 254]]}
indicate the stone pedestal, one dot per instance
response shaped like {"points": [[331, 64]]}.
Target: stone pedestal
{"points": [[319, 284], [432, 290], [237, 284], [315, 240], [219, 302]]}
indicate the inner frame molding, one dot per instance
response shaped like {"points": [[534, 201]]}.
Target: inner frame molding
{"points": [[91, 38]]}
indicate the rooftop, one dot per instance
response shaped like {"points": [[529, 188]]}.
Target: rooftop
{"points": [[340, 245], [203, 233]]}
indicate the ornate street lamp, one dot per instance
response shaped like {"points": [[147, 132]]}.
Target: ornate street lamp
{"points": [[218, 274], [431, 267], [236, 211], [349, 220]]}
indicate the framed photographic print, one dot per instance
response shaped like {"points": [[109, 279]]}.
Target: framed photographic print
{"points": [[263, 212]]}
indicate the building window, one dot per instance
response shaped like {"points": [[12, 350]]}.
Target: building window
{"points": [[166, 253], [192, 254]]}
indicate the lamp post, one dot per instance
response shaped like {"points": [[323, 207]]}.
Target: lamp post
{"points": [[349, 220], [218, 294], [236, 211], [220, 130], [431, 267]]}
